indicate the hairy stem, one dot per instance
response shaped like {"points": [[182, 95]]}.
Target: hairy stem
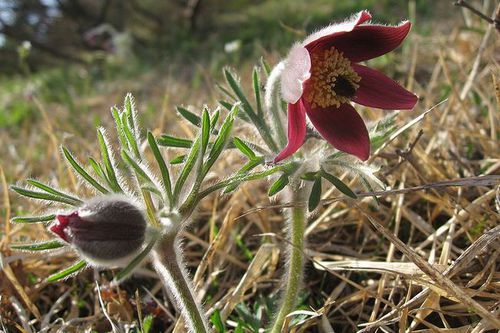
{"points": [[293, 275], [168, 265]]}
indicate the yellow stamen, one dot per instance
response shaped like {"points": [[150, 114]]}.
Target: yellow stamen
{"points": [[333, 81]]}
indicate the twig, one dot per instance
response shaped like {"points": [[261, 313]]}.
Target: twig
{"points": [[495, 21]]}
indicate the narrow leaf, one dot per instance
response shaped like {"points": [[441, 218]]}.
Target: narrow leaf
{"points": [[170, 141], [136, 167], [310, 176], [245, 150], [165, 175], [42, 195], [130, 135], [33, 219], [257, 90], [74, 164], [315, 196], [189, 116], [205, 131], [53, 191], [67, 272], [235, 86], [188, 167], [110, 171], [178, 160], [278, 185], [98, 169], [244, 170], [340, 185], [40, 246], [221, 140], [119, 126], [147, 323], [216, 320]]}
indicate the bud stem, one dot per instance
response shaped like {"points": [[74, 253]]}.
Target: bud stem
{"points": [[168, 265], [295, 248]]}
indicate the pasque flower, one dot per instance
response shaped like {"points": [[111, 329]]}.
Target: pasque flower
{"points": [[104, 230], [322, 75]]}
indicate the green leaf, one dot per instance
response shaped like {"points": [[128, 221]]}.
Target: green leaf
{"points": [[119, 126], [136, 261], [239, 328], [221, 140], [129, 108], [178, 160], [310, 176], [205, 131], [147, 323], [244, 170], [53, 191], [256, 90], [265, 66], [189, 163], [214, 120], [340, 185], [235, 86], [33, 219], [228, 106], [98, 169], [68, 272], [108, 165], [225, 91], [315, 196], [245, 150], [216, 320], [165, 175], [42, 196], [189, 116], [74, 164], [140, 172], [170, 141], [278, 185], [130, 136], [39, 246]]}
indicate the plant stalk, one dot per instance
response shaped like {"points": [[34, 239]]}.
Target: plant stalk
{"points": [[167, 264], [295, 247]]}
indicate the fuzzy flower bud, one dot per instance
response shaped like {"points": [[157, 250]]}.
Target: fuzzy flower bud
{"points": [[104, 230]]}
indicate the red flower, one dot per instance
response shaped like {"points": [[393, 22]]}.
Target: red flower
{"points": [[322, 75]]}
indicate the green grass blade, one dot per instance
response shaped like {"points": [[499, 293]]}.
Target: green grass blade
{"points": [[40, 246], [81, 171], [33, 219], [165, 174], [51, 190], [68, 272]]}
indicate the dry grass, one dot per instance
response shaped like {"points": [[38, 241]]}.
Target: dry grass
{"points": [[424, 258]]}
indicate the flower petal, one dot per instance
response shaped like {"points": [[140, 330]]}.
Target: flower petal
{"points": [[334, 30], [296, 129], [378, 91], [343, 128], [296, 71], [369, 41]]}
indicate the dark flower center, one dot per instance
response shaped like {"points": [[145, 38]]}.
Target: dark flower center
{"points": [[344, 87]]}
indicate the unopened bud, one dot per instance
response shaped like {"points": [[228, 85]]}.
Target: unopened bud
{"points": [[104, 230]]}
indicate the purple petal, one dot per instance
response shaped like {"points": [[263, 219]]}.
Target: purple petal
{"points": [[369, 41], [379, 91], [336, 29], [343, 128], [296, 129]]}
